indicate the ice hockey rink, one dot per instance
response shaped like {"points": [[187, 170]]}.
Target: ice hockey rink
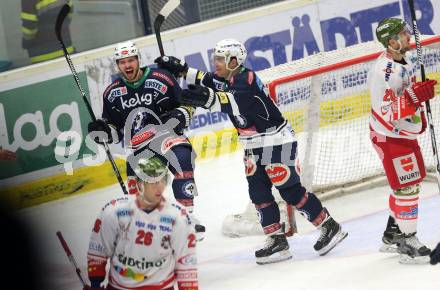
{"points": [[228, 263]]}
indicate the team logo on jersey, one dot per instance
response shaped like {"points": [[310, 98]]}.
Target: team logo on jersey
{"points": [[388, 71], [156, 85], [189, 188], [118, 92], [278, 173], [407, 168], [250, 166]]}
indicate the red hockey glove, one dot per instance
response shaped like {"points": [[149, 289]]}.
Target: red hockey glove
{"points": [[420, 92]]}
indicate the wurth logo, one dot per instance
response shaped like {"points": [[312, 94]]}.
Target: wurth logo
{"points": [[407, 164], [407, 169]]}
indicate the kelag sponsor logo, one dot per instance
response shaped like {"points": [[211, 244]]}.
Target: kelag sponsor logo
{"points": [[37, 128]]}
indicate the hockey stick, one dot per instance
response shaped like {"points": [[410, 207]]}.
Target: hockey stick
{"points": [[71, 258], [58, 25], [428, 105], [163, 14]]}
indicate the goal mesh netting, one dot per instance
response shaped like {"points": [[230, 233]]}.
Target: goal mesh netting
{"points": [[326, 99]]}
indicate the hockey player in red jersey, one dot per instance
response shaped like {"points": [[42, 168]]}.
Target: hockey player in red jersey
{"points": [[269, 142], [397, 119], [148, 241]]}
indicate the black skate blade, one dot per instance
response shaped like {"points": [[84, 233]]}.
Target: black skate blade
{"points": [[275, 258], [333, 243]]}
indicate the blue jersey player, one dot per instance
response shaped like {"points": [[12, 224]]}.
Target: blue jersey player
{"points": [[269, 142], [135, 107]]}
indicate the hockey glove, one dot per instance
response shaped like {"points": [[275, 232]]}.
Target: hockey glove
{"points": [[435, 255], [178, 117], [420, 92], [197, 96], [100, 131], [172, 64]]}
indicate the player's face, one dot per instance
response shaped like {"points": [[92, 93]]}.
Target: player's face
{"points": [[220, 66], [129, 67], [152, 192], [405, 37]]}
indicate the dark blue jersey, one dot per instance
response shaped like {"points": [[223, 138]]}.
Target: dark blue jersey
{"points": [[156, 91], [251, 110]]}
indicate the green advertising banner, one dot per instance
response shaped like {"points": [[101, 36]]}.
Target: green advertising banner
{"points": [[33, 119]]}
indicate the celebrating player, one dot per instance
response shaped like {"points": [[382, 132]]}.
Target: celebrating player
{"points": [[270, 146], [397, 119], [150, 241], [136, 104]]}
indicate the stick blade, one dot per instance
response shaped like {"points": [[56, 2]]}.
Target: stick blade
{"points": [[65, 10], [169, 7]]}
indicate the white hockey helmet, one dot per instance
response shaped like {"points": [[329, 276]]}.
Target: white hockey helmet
{"points": [[229, 48], [125, 49]]}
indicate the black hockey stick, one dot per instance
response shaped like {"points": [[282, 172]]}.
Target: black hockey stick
{"points": [[71, 258], [427, 103], [160, 18], [58, 25]]}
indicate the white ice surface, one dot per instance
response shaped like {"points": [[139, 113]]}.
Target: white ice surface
{"points": [[226, 263]]}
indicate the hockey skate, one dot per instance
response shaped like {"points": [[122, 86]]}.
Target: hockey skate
{"points": [[391, 236], [275, 250], [331, 235], [412, 251]]}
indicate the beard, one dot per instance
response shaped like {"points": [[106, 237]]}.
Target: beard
{"points": [[405, 50]]}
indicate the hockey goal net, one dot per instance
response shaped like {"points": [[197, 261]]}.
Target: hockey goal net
{"points": [[326, 99]]}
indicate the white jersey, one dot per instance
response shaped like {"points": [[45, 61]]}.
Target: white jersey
{"points": [[147, 250], [392, 114]]}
